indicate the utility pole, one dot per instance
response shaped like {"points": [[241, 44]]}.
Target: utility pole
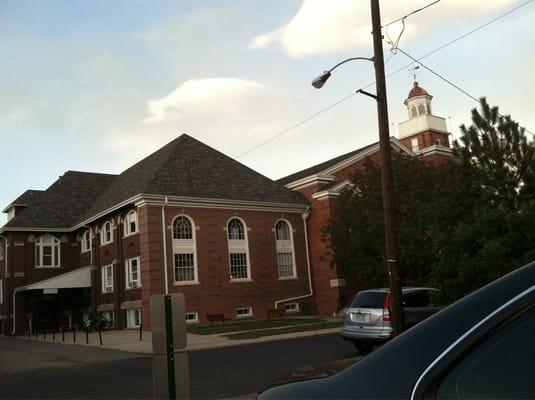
{"points": [[387, 183]]}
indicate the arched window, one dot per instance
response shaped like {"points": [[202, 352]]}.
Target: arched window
{"points": [[130, 223], [86, 241], [47, 252], [184, 250], [421, 109], [285, 250], [182, 228], [238, 250], [414, 112], [106, 234]]}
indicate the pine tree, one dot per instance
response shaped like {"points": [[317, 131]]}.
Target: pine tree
{"points": [[497, 154]]}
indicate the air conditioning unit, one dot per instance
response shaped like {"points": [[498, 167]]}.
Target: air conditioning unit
{"points": [[134, 285]]}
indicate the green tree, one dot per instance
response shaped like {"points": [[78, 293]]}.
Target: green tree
{"points": [[496, 152]]}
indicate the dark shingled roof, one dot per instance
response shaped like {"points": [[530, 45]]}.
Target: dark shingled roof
{"points": [[27, 198], [189, 168], [184, 167], [320, 167], [64, 202]]}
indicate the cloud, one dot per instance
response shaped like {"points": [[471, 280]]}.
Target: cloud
{"points": [[327, 27], [195, 94]]}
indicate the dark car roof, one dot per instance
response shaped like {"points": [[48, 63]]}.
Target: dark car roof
{"points": [[404, 290], [392, 370]]}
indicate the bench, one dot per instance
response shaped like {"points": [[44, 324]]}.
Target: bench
{"points": [[216, 317], [275, 312]]}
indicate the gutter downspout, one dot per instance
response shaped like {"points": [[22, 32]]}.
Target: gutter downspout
{"points": [[305, 216], [166, 278], [15, 291]]}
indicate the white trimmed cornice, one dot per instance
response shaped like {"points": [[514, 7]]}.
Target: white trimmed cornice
{"points": [[310, 180]]}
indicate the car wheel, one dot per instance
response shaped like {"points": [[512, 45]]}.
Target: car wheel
{"points": [[363, 347]]}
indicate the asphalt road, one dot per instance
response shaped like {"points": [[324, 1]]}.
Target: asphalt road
{"points": [[48, 370]]}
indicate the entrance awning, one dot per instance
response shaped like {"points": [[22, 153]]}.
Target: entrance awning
{"points": [[79, 278]]}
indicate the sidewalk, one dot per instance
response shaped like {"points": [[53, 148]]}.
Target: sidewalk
{"points": [[128, 340]]}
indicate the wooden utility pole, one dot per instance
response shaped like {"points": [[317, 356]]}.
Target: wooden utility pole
{"points": [[387, 183]]}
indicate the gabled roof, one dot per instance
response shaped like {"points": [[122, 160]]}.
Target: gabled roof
{"points": [[321, 167], [63, 203], [184, 167]]}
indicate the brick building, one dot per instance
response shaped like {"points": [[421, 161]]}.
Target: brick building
{"points": [[186, 219]]}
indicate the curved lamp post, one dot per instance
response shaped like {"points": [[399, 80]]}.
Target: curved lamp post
{"points": [[387, 184]]}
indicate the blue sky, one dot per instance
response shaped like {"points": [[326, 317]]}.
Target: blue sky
{"points": [[97, 85]]}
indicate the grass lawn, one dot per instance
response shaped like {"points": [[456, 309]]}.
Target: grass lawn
{"points": [[290, 329], [249, 325]]}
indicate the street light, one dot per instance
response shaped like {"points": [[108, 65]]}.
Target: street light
{"points": [[320, 80], [387, 184]]}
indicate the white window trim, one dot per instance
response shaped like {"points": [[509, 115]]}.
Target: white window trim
{"points": [[128, 281], [55, 263], [249, 312], [192, 321], [126, 223], [1, 291], [84, 247], [282, 246], [185, 246], [104, 270], [239, 246], [295, 310], [130, 319], [103, 233]]}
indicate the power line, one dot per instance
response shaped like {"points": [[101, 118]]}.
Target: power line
{"points": [[296, 125], [448, 81], [390, 73], [411, 13]]}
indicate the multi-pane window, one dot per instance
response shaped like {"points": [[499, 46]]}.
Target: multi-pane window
{"points": [[291, 307], [106, 234], [47, 252], [244, 312], [130, 223], [107, 279], [184, 267], [184, 250], [285, 250], [133, 272], [238, 249], [238, 266], [86, 241], [133, 318], [236, 230], [182, 228]]}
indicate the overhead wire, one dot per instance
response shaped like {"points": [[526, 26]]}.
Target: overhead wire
{"points": [[447, 44]]}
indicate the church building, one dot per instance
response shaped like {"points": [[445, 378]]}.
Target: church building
{"points": [[187, 219]]}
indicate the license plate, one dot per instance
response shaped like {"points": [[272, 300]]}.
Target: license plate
{"points": [[360, 317]]}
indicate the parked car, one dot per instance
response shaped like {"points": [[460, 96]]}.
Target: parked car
{"points": [[479, 347], [368, 319]]}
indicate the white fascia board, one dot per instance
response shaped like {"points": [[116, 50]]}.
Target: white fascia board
{"points": [[309, 180], [15, 229], [333, 191], [436, 149], [199, 202]]}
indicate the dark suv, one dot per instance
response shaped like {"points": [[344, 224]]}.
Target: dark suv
{"points": [[368, 319]]}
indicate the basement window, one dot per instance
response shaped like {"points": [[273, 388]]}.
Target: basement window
{"points": [[192, 317], [244, 312], [291, 307]]}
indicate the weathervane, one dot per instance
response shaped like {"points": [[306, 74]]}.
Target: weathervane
{"points": [[414, 71]]}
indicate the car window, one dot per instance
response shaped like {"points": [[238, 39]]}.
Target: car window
{"points": [[500, 367], [416, 299], [369, 300]]}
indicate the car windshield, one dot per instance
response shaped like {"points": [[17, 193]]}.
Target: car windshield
{"points": [[369, 300]]}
